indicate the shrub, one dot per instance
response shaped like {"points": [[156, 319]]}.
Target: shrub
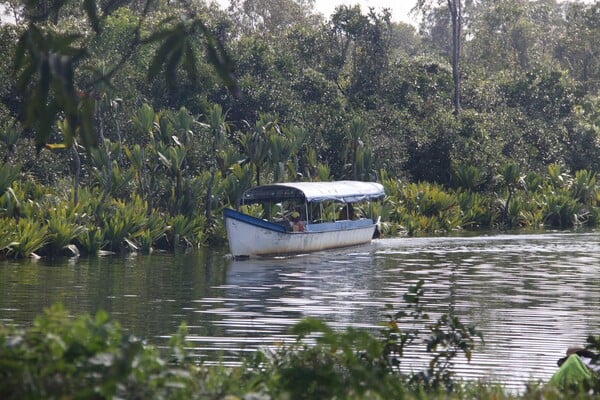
{"points": [[90, 241], [91, 357], [357, 364], [155, 230], [88, 358], [63, 228], [29, 236], [122, 223], [340, 365], [476, 210], [183, 230], [562, 210], [468, 177]]}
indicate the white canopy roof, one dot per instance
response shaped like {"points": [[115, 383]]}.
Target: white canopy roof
{"points": [[344, 191]]}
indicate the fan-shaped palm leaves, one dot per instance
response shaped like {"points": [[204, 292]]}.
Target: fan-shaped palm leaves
{"points": [[584, 187], [355, 148], [510, 176], [256, 144], [29, 237], [8, 199], [217, 131], [63, 228]]}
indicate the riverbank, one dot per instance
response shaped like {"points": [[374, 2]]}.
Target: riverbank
{"points": [[57, 220]]}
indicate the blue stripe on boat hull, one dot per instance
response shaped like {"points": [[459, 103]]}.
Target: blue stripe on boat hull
{"points": [[249, 236], [229, 213]]}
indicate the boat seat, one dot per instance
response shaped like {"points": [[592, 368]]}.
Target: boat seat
{"points": [[343, 224], [283, 223]]}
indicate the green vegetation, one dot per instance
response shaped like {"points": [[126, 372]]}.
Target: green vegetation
{"points": [[128, 126], [41, 220], [60, 356]]}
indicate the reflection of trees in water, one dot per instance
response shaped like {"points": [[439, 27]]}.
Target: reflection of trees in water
{"points": [[534, 293], [334, 285], [148, 295], [528, 293]]}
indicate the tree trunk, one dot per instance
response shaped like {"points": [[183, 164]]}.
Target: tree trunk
{"points": [[455, 9], [77, 175], [209, 191], [108, 177]]}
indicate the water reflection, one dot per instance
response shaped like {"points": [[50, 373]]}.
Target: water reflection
{"points": [[531, 295]]}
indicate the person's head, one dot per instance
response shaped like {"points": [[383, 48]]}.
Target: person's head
{"points": [[295, 216]]}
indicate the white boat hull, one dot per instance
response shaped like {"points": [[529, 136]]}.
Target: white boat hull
{"points": [[247, 239]]}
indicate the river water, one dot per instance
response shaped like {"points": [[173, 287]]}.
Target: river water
{"points": [[531, 295]]}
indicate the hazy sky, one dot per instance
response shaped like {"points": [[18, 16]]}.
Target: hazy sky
{"points": [[400, 8]]}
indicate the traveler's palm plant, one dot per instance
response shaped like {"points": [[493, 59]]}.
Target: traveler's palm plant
{"points": [[29, 237], [63, 228]]}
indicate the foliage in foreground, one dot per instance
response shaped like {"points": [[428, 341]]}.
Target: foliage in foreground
{"points": [[93, 357]]}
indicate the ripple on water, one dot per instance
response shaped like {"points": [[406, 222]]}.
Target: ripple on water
{"points": [[532, 296]]}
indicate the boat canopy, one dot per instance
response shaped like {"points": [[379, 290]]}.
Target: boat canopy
{"points": [[343, 191]]}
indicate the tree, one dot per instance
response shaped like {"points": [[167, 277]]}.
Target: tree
{"points": [[355, 145], [455, 9], [514, 35], [48, 62], [272, 16], [578, 48], [218, 128], [256, 143], [364, 43]]}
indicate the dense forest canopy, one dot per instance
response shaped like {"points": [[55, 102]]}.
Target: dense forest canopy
{"points": [[529, 73], [185, 103]]}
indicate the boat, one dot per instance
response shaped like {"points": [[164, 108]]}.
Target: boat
{"points": [[302, 217]]}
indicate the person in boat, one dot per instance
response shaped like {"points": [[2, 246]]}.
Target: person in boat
{"points": [[347, 212], [296, 224]]}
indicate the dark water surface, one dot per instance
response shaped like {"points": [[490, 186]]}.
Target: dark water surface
{"points": [[532, 296]]}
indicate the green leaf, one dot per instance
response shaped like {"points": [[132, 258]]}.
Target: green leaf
{"points": [[160, 35], [20, 52], [189, 63], [171, 66], [219, 58], [164, 160], [57, 146], [90, 8], [86, 122], [162, 54], [308, 326]]}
